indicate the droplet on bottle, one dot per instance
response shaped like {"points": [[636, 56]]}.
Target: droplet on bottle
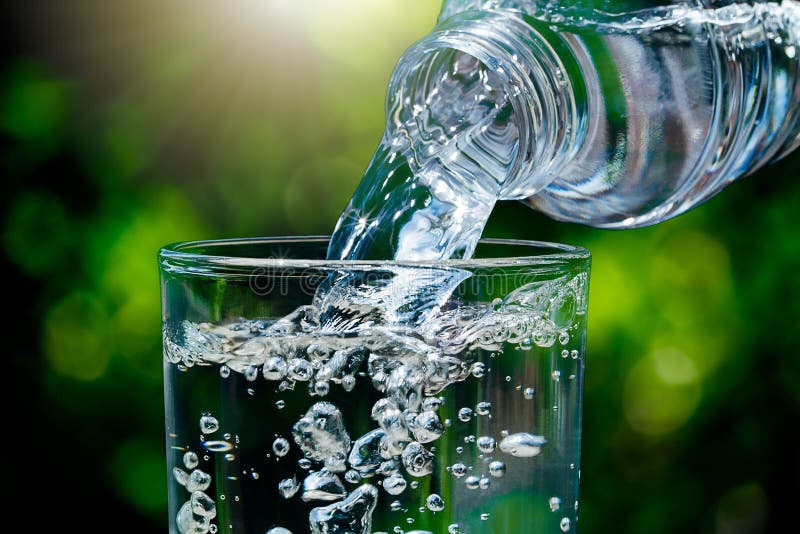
{"points": [[224, 371], [554, 503], [352, 476], [484, 483], [565, 353], [434, 502], [497, 304], [563, 338], [472, 482], [453, 528], [484, 517], [565, 524], [528, 393], [574, 354], [395, 506], [280, 404], [208, 424], [478, 369]]}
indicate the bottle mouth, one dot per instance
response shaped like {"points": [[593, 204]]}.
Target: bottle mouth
{"points": [[527, 65], [232, 257]]}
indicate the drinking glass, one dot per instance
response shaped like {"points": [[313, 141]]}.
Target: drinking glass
{"points": [[308, 395]]}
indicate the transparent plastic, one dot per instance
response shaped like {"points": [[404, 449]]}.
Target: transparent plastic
{"points": [[611, 114]]}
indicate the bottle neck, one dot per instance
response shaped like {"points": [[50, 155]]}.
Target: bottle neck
{"points": [[539, 74]]}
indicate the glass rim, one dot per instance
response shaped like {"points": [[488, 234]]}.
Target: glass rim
{"points": [[180, 257]]}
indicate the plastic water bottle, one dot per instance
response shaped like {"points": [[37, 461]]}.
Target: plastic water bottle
{"points": [[611, 114]]}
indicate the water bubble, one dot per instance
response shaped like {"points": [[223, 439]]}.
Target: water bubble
{"points": [[218, 446], [251, 391], [574, 354], [464, 414], [528, 393], [288, 487], [322, 485], [453, 528], [414, 484], [224, 371], [431, 404], [565, 353], [565, 524], [395, 506], [478, 369], [213, 529], [304, 464], [483, 408], [203, 505], [458, 470], [435, 503], [280, 404], [286, 385], [484, 517], [180, 476], [365, 456], [275, 368], [497, 304], [427, 427], [227, 436], [300, 370], [497, 469], [459, 449], [320, 389], [255, 475], [554, 503], [508, 378], [321, 435], [417, 460], [472, 482], [522, 444], [251, 373], [395, 484], [230, 457], [208, 424], [352, 476], [198, 481], [348, 382], [469, 439], [486, 444], [556, 375], [563, 338], [343, 516], [188, 521], [280, 447], [279, 530]]}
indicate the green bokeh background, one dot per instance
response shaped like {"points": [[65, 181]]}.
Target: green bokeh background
{"points": [[126, 125]]}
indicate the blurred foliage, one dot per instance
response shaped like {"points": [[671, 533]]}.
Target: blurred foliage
{"points": [[127, 125]]}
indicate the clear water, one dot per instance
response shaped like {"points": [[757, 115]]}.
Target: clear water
{"points": [[347, 417], [624, 119]]}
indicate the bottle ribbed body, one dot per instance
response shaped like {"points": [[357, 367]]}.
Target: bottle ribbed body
{"points": [[629, 118]]}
